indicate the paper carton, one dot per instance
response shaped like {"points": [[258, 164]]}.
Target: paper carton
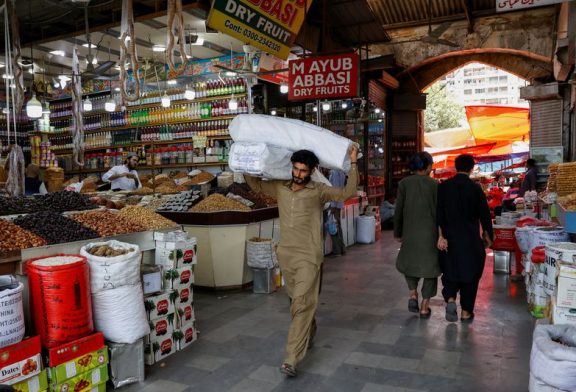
{"points": [[83, 382], [20, 361], [185, 314], [160, 328], [176, 254], [75, 349], [160, 305], [79, 365], [187, 335], [178, 278], [183, 297], [37, 383], [157, 351], [566, 288], [560, 315]]}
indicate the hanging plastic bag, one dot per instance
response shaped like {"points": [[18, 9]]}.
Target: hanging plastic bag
{"points": [[331, 224]]}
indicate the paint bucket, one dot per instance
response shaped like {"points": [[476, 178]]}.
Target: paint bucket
{"points": [[523, 238], [559, 252], [542, 236]]}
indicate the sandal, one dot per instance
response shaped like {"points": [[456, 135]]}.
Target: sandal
{"points": [[451, 312], [467, 319], [288, 370], [426, 315], [413, 305]]}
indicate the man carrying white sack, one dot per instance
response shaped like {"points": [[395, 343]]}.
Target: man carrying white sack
{"points": [[300, 253]]}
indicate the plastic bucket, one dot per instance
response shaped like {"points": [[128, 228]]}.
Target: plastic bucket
{"points": [[11, 316], [564, 252], [60, 298], [541, 236], [524, 238], [365, 229]]}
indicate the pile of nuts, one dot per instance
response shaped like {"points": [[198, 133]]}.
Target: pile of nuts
{"points": [[201, 178], [106, 223], [55, 228], [13, 237], [108, 251], [146, 218], [216, 202], [260, 200]]}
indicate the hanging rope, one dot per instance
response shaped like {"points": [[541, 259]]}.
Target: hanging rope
{"points": [[128, 49], [18, 72], [175, 27], [15, 181], [77, 119]]}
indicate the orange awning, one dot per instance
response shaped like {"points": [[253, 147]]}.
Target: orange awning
{"points": [[498, 123]]}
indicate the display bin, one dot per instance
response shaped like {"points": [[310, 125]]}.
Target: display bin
{"points": [[263, 280], [567, 219]]}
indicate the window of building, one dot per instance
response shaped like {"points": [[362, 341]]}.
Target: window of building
{"points": [[503, 78], [479, 91], [503, 89], [468, 92]]}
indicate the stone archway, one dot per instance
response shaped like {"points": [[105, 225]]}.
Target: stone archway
{"points": [[523, 64]]}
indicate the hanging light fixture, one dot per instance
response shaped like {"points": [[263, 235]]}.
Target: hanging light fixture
{"points": [[189, 93], [283, 88], [34, 107], [344, 104], [377, 110], [315, 108], [233, 104], [165, 101], [325, 106], [273, 112], [87, 105], [110, 105]]}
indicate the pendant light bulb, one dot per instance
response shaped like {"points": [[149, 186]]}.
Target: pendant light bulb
{"points": [[273, 112], [284, 88], [165, 101], [110, 105], [34, 107], [87, 105], [233, 104], [315, 108], [326, 106], [344, 105], [189, 94]]}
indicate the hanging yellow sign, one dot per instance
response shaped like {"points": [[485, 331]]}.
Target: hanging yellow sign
{"points": [[269, 25]]}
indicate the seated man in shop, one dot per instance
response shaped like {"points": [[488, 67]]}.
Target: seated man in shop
{"points": [[300, 254], [124, 177]]}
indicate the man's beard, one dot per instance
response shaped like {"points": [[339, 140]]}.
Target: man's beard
{"points": [[301, 181]]}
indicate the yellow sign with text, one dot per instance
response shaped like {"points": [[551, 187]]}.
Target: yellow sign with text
{"points": [[269, 25]]}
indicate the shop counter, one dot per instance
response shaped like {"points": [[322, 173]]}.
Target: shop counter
{"points": [[221, 238]]}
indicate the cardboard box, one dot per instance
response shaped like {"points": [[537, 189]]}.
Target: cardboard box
{"points": [[187, 336], [83, 382], [20, 361], [185, 314], [560, 315], [151, 279], [178, 278], [174, 235], [33, 384], [99, 388], [79, 365], [76, 348], [566, 288], [156, 352], [160, 328], [160, 305], [176, 254], [184, 296]]}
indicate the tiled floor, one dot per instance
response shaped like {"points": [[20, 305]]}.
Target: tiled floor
{"points": [[367, 341]]}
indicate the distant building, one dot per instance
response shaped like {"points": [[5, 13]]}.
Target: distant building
{"points": [[479, 84]]}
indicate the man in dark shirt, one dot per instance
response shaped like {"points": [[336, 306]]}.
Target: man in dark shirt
{"points": [[462, 209], [529, 182]]}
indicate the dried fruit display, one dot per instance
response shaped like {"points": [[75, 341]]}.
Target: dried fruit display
{"points": [[55, 202], [260, 200], [202, 178], [146, 218], [216, 202], [108, 251], [106, 223], [55, 228], [13, 237]]}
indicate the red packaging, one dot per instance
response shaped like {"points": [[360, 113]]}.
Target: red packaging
{"points": [[67, 352], [20, 361], [60, 298], [504, 238]]}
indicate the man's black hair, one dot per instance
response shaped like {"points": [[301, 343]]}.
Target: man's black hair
{"points": [[306, 157], [464, 163], [531, 162], [420, 161]]}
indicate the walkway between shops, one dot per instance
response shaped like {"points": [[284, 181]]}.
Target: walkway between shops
{"points": [[367, 340]]}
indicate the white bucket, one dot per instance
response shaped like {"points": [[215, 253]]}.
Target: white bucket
{"points": [[510, 218], [11, 316], [365, 229], [564, 252], [542, 236], [523, 238]]}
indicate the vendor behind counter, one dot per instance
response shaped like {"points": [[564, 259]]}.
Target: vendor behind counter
{"points": [[124, 177]]}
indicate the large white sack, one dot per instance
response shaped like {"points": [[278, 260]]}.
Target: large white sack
{"points": [[554, 363], [294, 135], [535, 385], [112, 272], [260, 159], [119, 314]]}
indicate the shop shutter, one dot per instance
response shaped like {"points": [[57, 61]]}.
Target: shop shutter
{"points": [[377, 94], [404, 123], [546, 123]]}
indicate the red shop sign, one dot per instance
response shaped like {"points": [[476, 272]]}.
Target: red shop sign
{"points": [[323, 77]]}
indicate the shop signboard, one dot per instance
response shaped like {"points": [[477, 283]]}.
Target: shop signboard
{"points": [[323, 77], [269, 25], [268, 63], [514, 5]]}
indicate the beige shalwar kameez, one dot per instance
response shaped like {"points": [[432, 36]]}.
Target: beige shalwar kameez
{"points": [[300, 251]]}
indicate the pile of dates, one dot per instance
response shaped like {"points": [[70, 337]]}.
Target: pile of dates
{"points": [[57, 201], [55, 228]]}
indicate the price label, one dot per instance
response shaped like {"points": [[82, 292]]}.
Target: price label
{"points": [[199, 141]]}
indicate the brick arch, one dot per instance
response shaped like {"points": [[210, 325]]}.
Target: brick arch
{"points": [[523, 64]]}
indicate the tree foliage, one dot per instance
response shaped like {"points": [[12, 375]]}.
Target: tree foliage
{"points": [[442, 111]]}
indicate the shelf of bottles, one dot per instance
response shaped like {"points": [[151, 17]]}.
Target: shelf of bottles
{"points": [[402, 149], [23, 126]]}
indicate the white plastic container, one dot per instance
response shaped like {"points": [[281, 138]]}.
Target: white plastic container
{"points": [[542, 236], [564, 252], [11, 316], [365, 229]]}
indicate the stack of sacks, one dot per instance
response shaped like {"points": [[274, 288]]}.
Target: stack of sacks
{"points": [[263, 145]]}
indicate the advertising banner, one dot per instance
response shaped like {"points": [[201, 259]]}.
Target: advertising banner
{"points": [[514, 5], [269, 25], [323, 77]]}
